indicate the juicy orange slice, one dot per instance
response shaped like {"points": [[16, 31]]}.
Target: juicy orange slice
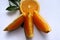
{"points": [[28, 6]]}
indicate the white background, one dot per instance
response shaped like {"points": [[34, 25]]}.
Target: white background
{"points": [[50, 10]]}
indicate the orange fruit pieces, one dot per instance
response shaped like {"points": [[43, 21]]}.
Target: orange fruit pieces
{"points": [[40, 23], [15, 24], [28, 26], [27, 6], [30, 15]]}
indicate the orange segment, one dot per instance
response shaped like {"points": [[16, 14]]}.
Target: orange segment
{"points": [[28, 26], [28, 6], [15, 24], [40, 23]]}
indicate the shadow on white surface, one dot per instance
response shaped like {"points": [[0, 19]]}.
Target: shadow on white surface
{"points": [[39, 35], [44, 35], [29, 38], [17, 34], [11, 13]]}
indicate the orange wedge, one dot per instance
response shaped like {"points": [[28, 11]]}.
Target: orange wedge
{"points": [[15, 24], [28, 26], [40, 23]]}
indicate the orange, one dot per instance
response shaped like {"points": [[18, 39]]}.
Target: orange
{"points": [[28, 26], [15, 24], [40, 23], [27, 6]]}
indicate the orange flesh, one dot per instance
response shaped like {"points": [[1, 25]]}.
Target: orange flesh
{"points": [[28, 26], [29, 6]]}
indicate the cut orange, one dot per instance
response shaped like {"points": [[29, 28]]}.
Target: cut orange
{"points": [[28, 26], [15, 24], [28, 6], [32, 6], [40, 23]]}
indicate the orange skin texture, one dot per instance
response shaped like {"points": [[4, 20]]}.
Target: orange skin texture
{"points": [[40, 23], [15, 24], [28, 26]]}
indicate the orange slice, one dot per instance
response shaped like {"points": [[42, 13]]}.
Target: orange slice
{"points": [[28, 6]]}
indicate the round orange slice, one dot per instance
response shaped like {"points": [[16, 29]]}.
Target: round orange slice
{"points": [[29, 6]]}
